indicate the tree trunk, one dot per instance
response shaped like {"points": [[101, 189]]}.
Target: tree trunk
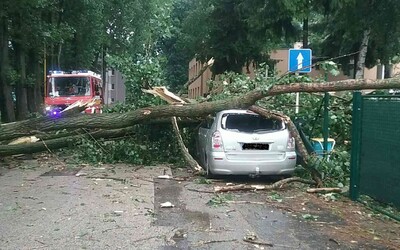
{"points": [[30, 93], [21, 91], [108, 121], [305, 32], [30, 86], [59, 55], [57, 143], [7, 103], [362, 55], [34, 88], [39, 82], [104, 68]]}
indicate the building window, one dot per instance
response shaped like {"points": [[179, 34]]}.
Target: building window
{"points": [[112, 86], [112, 71], [112, 99]]}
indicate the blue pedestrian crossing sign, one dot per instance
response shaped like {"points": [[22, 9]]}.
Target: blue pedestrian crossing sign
{"points": [[300, 60]]}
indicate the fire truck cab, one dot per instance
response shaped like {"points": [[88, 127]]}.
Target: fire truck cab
{"points": [[65, 88]]}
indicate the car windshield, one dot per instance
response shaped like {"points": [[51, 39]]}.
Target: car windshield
{"points": [[69, 86], [250, 123]]}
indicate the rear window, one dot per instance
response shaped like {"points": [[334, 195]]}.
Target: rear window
{"points": [[250, 123]]}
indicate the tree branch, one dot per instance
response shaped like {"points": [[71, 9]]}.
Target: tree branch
{"points": [[188, 158], [276, 185]]}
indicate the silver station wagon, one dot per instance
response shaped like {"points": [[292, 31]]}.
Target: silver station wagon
{"points": [[240, 142]]}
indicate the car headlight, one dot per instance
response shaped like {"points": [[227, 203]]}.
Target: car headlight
{"points": [[48, 108]]}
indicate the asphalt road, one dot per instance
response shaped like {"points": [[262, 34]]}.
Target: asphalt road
{"points": [[118, 207]]}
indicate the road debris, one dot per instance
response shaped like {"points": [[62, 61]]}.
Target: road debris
{"points": [[253, 239], [166, 205], [323, 190], [310, 217], [164, 176], [335, 241], [80, 174], [274, 186], [212, 241]]}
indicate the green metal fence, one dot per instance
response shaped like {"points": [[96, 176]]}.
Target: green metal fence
{"points": [[375, 163]]}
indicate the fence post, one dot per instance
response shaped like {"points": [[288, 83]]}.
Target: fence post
{"points": [[355, 145]]}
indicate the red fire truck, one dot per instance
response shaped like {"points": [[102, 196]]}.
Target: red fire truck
{"points": [[66, 88]]}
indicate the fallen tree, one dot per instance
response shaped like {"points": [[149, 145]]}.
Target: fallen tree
{"points": [[10, 131], [113, 125]]}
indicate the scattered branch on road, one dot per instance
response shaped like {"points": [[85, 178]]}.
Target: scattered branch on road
{"points": [[211, 242], [148, 238], [247, 202], [98, 178], [323, 190], [142, 179], [252, 238], [276, 185], [200, 191], [257, 242], [114, 228]]}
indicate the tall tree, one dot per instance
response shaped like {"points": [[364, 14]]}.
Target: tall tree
{"points": [[175, 46], [368, 29], [6, 100], [236, 32]]}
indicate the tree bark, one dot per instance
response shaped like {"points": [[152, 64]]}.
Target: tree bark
{"points": [[362, 55], [7, 104], [57, 143], [108, 121]]}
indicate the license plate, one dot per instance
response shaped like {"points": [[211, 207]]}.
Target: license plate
{"points": [[255, 146]]}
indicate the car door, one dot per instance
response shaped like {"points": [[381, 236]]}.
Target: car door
{"points": [[203, 138]]}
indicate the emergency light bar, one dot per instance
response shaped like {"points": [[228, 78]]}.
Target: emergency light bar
{"points": [[56, 72], [77, 72]]}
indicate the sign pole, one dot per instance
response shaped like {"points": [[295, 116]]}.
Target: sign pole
{"points": [[325, 129], [297, 98]]}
